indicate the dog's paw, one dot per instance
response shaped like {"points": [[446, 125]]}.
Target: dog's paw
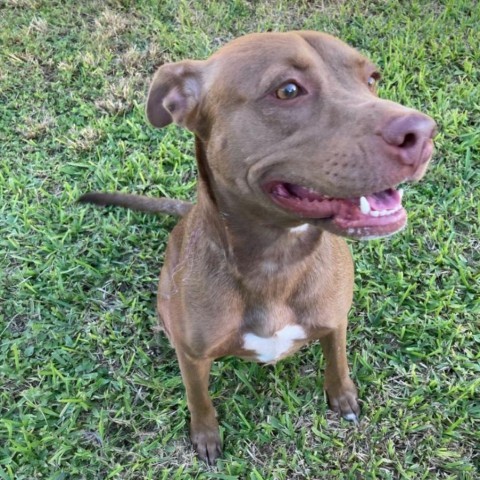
{"points": [[206, 440], [342, 398]]}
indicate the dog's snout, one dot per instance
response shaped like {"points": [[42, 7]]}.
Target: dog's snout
{"points": [[412, 135]]}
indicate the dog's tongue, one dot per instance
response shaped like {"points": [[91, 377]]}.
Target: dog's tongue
{"points": [[386, 200], [303, 192], [303, 200]]}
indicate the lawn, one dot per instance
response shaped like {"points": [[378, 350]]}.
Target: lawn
{"points": [[89, 389]]}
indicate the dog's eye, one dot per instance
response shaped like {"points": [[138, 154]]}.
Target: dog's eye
{"points": [[288, 91], [372, 80]]}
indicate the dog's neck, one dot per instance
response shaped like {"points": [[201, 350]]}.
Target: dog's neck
{"points": [[255, 246]]}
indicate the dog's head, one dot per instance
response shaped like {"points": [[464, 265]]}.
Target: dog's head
{"points": [[292, 129]]}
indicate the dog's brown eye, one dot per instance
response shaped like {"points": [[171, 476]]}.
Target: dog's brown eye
{"points": [[372, 80], [288, 91]]}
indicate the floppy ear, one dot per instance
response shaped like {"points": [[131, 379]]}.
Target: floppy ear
{"points": [[174, 94]]}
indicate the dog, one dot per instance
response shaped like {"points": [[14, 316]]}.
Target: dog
{"points": [[295, 151]]}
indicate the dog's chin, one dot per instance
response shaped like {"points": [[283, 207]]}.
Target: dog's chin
{"points": [[366, 217]]}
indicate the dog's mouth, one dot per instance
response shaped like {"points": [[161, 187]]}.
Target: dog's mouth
{"points": [[370, 216]]}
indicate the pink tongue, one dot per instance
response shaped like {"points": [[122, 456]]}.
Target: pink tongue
{"points": [[303, 192], [386, 200]]}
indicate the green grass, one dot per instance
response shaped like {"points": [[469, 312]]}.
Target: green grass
{"points": [[88, 390]]}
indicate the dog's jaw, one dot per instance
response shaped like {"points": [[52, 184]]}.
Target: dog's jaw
{"points": [[376, 215]]}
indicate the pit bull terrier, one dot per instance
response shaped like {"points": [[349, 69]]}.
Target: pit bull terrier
{"points": [[295, 151]]}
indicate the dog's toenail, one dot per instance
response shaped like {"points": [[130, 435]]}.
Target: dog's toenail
{"points": [[351, 417]]}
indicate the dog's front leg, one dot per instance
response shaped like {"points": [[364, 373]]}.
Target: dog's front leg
{"points": [[204, 431], [341, 391]]}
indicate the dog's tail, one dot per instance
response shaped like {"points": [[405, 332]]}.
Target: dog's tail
{"points": [[141, 203]]}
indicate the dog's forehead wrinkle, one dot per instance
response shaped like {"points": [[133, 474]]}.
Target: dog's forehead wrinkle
{"points": [[337, 55], [249, 57], [278, 72], [360, 61], [260, 42]]}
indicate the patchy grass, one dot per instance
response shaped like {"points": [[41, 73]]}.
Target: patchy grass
{"points": [[88, 390]]}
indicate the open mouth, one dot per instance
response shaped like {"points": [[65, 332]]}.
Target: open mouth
{"points": [[370, 216]]}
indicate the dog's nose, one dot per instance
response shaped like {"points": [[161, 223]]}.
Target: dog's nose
{"points": [[412, 135]]}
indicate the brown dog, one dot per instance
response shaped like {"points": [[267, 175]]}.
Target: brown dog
{"points": [[294, 150]]}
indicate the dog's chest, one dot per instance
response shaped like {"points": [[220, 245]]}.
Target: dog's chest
{"points": [[273, 348]]}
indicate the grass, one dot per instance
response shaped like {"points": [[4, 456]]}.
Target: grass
{"points": [[89, 391]]}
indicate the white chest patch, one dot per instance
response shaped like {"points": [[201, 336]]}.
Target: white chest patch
{"points": [[272, 348], [301, 228]]}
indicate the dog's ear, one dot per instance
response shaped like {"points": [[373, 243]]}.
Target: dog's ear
{"points": [[174, 94]]}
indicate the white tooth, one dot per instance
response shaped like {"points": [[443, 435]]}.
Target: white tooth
{"points": [[400, 192], [364, 206], [384, 213]]}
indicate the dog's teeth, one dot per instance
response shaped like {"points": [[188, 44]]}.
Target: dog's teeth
{"points": [[384, 213], [364, 206], [400, 192]]}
